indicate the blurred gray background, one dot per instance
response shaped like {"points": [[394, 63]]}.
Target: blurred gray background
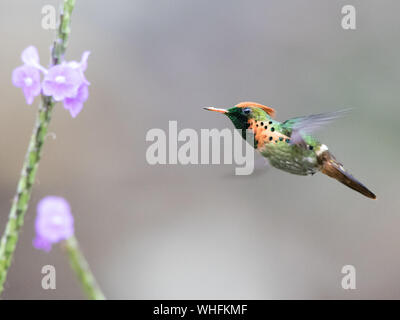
{"points": [[183, 232]]}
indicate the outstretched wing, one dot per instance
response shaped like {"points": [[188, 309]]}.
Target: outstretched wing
{"points": [[296, 128]]}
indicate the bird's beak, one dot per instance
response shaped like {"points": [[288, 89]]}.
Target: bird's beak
{"points": [[216, 109]]}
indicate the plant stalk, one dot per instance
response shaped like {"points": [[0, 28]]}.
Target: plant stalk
{"points": [[81, 268], [24, 188]]}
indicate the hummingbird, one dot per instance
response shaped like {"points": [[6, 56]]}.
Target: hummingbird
{"points": [[290, 145]]}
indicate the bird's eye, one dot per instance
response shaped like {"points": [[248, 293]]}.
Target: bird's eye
{"points": [[246, 111]]}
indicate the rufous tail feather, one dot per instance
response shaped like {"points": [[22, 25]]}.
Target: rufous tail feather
{"points": [[332, 168]]}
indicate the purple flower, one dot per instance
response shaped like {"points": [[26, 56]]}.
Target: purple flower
{"points": [[62, 81], [30, 57], [75, 105], [81, 66], [28, 79], [27, 76], [54, 222], [42, 244], [65, 82]]}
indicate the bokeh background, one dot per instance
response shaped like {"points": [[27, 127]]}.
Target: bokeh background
{"points": [[183, 232]]}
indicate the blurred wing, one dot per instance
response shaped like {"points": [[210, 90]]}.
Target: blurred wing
{"points": [[307, 125]]}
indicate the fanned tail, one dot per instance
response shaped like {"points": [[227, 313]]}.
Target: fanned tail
{"points": [[332, 168]]}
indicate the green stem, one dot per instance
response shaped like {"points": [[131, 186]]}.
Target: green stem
{"points": [[21, 199], [81, 268]]}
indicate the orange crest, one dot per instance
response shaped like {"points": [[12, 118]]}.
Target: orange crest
{"points": [[270, 111]]}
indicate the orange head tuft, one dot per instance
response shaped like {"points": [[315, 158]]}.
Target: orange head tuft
{"points": [[270, 111]]}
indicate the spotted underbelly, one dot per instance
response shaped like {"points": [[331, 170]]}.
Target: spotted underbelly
{"points": [[265, 133], [281, 153]]}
